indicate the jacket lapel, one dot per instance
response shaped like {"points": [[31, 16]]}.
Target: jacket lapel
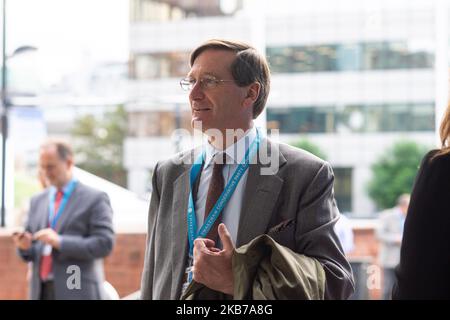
{"points": [[181, 189], [43, 217], [68, 213], [261, 193], [260, 196]]}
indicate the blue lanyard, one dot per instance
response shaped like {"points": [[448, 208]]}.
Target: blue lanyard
{"points": [[223, 199], [52, 217]]}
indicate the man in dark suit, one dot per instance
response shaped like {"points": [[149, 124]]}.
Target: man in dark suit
{"points": [[68, 232], [285, 192]]}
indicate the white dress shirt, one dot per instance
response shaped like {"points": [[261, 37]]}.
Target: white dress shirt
{"points": [[234, 156]]}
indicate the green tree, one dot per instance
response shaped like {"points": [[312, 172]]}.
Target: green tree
{"points": [[309, 146], [99, 144], [394, 173]]}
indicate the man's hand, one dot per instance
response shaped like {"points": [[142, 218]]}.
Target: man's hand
{"points": [[48, 236], [212, 266], [22, 240]]}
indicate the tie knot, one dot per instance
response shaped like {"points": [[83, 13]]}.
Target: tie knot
{"points": [[219, 161], [59, 194]]}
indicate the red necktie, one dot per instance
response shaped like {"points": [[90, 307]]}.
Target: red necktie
{"points": [[46, 261], [216, 186]]}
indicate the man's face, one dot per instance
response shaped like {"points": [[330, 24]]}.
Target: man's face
{"points": [[220, 107], [56, 170]]}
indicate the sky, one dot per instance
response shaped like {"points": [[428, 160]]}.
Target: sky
{"points": [[68, 33]]}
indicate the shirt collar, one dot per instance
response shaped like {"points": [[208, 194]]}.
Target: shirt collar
{"points": [[65, 189], [234, 153]]}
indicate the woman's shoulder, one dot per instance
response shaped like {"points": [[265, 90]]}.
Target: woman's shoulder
{"points": [[433, 159], [436, 167]]}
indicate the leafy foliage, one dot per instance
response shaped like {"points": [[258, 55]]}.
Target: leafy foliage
{"points": [[394, 173], [99, 145], [310, 147]]}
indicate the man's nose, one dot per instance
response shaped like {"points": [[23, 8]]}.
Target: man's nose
{"points": [[197, 92]]}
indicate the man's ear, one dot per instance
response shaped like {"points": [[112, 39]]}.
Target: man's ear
{"points": [[252, 94], [70, 162]]}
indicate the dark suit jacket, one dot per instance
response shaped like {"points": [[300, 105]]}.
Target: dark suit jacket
{"points": [[424, 269], [86, 231], [297, 195]]}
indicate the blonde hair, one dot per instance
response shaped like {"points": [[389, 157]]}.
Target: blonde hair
{"points": [[444, 132]]}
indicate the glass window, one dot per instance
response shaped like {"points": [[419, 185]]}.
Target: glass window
{"points": [[395, 118], [422, 117], [302, 119], [348, 57], [161, 65], [302, 59], [324, 58], [351, 56], [343, 188], [350, 118], [353, 118]]}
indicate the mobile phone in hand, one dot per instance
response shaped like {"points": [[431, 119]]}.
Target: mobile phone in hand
{"points": [[19, 232]]}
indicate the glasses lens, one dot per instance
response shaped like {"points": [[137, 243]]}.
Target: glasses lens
{"points": [[183, 84], [186, 84]]}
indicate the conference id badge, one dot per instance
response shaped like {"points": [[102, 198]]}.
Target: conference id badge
{"points": [[47, 250], [187, 276]]}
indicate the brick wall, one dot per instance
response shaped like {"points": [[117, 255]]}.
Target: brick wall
{"points": [[366, 249], [123, 267], [12, 271], [366, 244]]}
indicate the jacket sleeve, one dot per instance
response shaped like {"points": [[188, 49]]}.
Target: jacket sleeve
{"points": [[149, 259], [423, 271], [383, 233], [315, 236], [30, 254], [264, 269], [99, 242]]}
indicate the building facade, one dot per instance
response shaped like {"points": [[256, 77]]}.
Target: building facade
{"points": [[353, 77]]}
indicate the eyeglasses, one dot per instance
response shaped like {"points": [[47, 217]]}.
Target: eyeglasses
{"points": [[205, 83]]}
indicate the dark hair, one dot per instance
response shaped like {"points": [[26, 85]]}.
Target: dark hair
{"points": [[248, 67], [63, 149]]}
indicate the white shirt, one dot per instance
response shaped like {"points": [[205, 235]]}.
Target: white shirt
{"points": [[234, 156], [344, 232]]}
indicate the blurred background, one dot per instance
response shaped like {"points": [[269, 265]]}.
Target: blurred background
{"points": [[361, 83]]}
